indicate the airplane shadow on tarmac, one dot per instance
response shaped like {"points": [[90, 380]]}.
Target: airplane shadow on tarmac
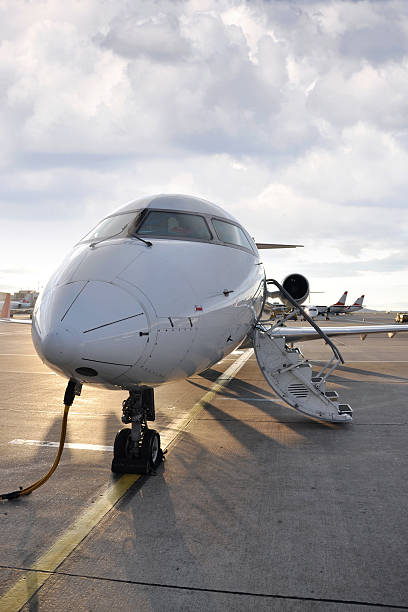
{"points": [[35, 520], [290, 426], [187, 520], [179, 523], [336, 377], [252, 394]]}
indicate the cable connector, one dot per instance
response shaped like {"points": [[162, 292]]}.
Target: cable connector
{"points": [[12, 495], [73, 388]]}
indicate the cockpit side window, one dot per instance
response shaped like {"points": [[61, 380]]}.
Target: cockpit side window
{"points": [[230, 233], [171, 224], [113, 227]]}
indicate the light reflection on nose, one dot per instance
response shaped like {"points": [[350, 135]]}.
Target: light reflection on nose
{"points": [[58, 346], [91, 329]]}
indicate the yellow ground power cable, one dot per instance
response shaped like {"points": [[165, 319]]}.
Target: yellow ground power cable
{"points": [[68, 400]]}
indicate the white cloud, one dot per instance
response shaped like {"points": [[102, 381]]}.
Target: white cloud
{"points": [[362, 166], [290, 114]]}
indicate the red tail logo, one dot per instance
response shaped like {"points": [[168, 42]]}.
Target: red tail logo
{"points": [[5, 311]]}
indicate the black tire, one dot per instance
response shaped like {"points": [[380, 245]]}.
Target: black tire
{"points": [[121, 444], [151, 448]]}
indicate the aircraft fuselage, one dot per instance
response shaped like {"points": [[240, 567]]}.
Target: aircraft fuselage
{"points": [[119, 313]]}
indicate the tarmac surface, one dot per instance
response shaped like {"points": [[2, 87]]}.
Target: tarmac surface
{"points": [[256, 507]]}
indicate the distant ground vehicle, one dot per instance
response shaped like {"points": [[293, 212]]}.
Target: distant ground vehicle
{"points": [[401, 317]]}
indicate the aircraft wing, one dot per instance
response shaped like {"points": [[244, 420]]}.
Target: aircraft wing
{"points": [[300, 334]]}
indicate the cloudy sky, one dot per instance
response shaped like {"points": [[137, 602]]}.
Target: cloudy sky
{"points": [[291, 115]]}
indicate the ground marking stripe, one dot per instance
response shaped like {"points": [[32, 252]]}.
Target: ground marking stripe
{"points": [[16, 597], [84, 415], [18, 355], [221, 382], [44, 373], [217, 591], [77, 445]]}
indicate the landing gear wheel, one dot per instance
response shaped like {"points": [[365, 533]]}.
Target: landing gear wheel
{"points": [[125, 459], [150, 449], [122, 443]]}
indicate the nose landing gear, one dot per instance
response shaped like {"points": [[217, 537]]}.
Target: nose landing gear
{"points": [[137, 450]]}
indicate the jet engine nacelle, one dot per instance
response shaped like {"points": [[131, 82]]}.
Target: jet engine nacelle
{"points": [[296, 285]]}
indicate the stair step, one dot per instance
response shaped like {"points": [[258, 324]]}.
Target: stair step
{"points": [[332, 395], [291, 378], [345, 409]]}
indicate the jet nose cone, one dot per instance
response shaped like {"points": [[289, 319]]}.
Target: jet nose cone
{"points": [[93, 331], [59, 346], [53, 340]]}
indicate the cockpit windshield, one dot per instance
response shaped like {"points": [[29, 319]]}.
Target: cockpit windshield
{"points": [[112, 227], [171, 224]]}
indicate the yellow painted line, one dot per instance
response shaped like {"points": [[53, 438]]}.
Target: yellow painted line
{"points": [[25, 588], [16, 597], [221, 382]]}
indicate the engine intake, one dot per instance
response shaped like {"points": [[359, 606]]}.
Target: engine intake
{"points": [[298, 287]]}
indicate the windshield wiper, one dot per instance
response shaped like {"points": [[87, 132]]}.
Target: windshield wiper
{"points": [[147, 242], [93, 244]]}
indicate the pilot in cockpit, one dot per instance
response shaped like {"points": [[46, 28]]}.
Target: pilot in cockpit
{"points": [[177, 228]]}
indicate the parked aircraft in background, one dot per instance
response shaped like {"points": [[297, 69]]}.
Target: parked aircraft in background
{"points": [[162, 289], [358, 305], [5, 307], [17, 304], [339, 309], [21, 306], [338, 306], [314, 310]]}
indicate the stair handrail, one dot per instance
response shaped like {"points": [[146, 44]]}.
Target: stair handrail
{"points": [[298, 306]]}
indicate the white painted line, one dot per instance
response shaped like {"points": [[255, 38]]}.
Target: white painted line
{"points": [[228, 359], [92, 447], [6, 334], [18, 355], [237, 352], [167, 434], [33, 413], [45, 373]]}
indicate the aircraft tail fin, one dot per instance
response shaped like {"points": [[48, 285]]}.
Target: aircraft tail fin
{"points": [[359, 301], [5, 311], [342, 300]]}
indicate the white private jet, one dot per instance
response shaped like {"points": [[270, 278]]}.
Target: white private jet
{"points": [[339, 306], [314, 311], [164, 288], [16, 306]]}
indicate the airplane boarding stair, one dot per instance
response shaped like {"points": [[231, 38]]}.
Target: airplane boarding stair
{"points": [[291, 376]]}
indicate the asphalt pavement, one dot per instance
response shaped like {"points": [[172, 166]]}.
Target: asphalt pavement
{"points": [[256, 507]]}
